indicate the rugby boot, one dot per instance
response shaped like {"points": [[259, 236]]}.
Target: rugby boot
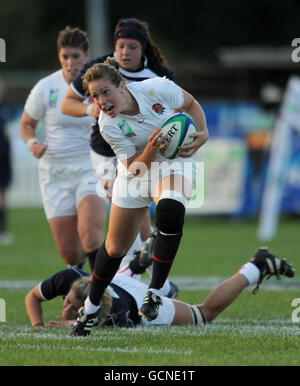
{"points": [[146, 253], [84, 323], [270, 265], [150, 306]]}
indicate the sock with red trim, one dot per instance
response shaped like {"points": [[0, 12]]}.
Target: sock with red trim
{"points": [[105, 269], [165, 250]]}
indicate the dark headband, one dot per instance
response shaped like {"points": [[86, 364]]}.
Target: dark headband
{"points": [[131, 32]]}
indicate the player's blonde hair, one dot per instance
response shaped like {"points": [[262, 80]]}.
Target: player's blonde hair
{"points": [[81, 289], [109, 70]]}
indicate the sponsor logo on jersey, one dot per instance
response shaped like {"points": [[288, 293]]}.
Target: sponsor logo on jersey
{"points": [[53, 97], [126, 129], [158, 108]]}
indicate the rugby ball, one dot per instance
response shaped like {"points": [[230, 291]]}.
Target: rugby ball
{"points": [[177, 131]]}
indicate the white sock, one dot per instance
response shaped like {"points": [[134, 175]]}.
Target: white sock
{"points": [[155, 291], [165, 289], [251, 272], [89, 307]]}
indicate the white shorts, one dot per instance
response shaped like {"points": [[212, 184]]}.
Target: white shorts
{"points": [[64, 183], [105, 169], [138, 290], [137, 192]]}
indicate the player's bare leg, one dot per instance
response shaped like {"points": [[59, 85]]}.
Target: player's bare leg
{"points": [[67, 240], [263, 264], [223, 295]]}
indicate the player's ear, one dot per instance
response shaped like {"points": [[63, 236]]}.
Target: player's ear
{"points": [[87, 54], [122, 86]]}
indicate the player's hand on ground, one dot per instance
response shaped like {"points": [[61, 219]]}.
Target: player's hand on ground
{"points": [[61, 322]]}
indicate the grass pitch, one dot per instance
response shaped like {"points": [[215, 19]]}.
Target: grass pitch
{"points": [[254, 330]]}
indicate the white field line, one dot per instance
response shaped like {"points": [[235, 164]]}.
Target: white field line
{"points": [[131, 350], [24, 338], [183, 282], [59, 339], [12, 340]]}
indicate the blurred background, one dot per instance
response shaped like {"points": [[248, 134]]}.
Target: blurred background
{"points": [[236, 57]]}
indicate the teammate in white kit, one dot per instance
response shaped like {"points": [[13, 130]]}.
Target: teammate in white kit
{"points": [[129, 121], [67, 181]]}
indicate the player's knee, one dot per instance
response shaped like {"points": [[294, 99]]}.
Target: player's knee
{"points": [[114, 250], [91, 235], [170, 216], [90, 242], [70, 255]]}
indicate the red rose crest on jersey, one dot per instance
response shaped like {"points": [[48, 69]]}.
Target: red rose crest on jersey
{"points": [[158, 108]]}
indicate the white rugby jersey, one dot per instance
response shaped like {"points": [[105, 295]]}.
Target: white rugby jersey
{"points": [[127, 134], [64, 135]]}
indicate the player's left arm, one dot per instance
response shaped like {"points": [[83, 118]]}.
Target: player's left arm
{"points": [[193, 108], [33, 303]]}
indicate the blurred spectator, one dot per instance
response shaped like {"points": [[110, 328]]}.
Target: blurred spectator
{"points": [[6, 237], [259, 138]]}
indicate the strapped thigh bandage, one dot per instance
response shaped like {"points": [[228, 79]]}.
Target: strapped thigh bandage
{"points": [[197, 314]]}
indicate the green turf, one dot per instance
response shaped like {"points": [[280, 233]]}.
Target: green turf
{"points": [[254, 330]]}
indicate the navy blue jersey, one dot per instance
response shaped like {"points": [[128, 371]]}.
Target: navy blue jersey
{"points": [[60, 283], [124, 311], [98, 144]]}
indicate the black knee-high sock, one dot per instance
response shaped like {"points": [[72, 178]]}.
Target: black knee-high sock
{"points": [[164, 254], [169, 221], [104, 271], [92, 258]]}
